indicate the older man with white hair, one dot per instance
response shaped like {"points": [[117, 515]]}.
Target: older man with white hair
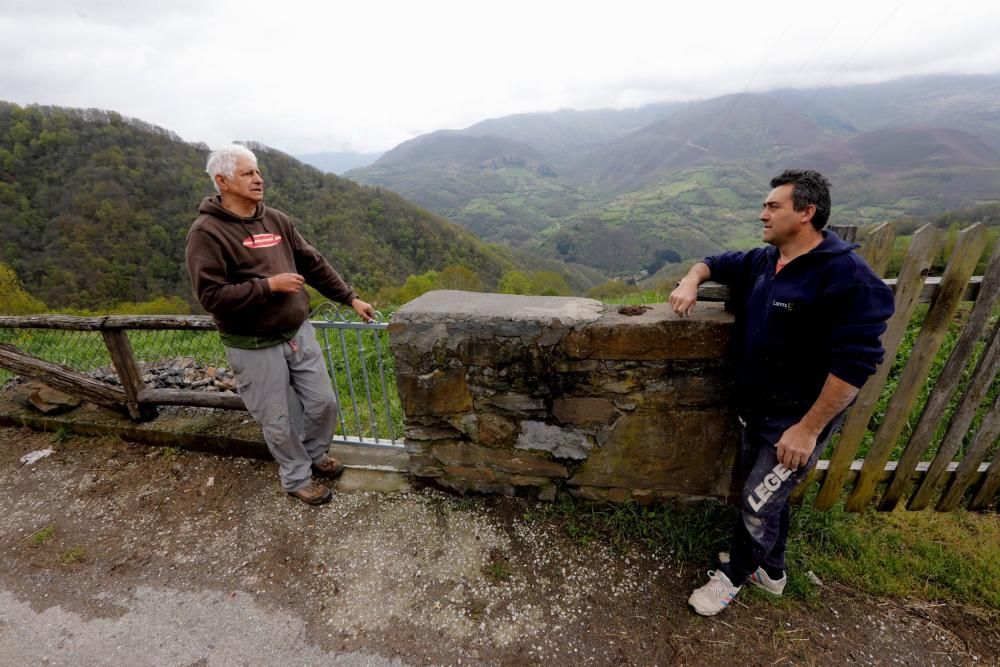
{"points": [[248, 266]]}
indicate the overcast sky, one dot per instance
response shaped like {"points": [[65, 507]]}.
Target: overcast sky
{"points": [[367, 74]]}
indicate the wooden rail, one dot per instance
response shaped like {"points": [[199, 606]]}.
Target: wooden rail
{"points": [[64, 379], [107, 323], [134, 398]]}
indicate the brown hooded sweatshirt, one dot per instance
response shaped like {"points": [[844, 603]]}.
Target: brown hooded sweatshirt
{"points": [[229, 259]]}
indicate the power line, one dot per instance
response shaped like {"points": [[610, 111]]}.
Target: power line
{"points": [[854, 53], [811, 56]]}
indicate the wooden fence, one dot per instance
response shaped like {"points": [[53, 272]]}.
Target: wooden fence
{"points": [[923, 481], [910, 474], [356, 355], [134, 397]]}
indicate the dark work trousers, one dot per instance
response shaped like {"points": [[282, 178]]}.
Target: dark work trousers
{"points": [[762, 528]]}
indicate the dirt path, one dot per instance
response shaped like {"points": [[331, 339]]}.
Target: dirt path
{"points": [[124, 554]]}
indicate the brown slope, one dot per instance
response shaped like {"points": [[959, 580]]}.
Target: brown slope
{"points": [[447, 147], [733, 127], [899, 150], [564, 135]]}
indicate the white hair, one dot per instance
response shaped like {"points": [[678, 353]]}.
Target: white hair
{"points": [[223, 161]]}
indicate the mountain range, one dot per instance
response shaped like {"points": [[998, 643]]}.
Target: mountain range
{"points": [[621, 190], [94, 206]]}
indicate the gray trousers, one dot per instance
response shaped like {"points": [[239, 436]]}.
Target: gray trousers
{"points": [[287, 390]]}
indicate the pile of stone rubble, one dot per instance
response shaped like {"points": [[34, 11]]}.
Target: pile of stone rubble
{"points": [[179, 373]]}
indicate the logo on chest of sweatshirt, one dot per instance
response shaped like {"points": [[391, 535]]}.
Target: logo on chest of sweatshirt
{"points": [[262, 240], [788, 306]]}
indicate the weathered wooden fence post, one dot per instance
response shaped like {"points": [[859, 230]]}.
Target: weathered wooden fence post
{"points": [[877, 248], [937, 402], [846, 232], [968, 250], [988, 432], [129, 374], [991, 482], [909, 285]]}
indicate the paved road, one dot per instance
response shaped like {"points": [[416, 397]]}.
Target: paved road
{"points": [[164, 627]]}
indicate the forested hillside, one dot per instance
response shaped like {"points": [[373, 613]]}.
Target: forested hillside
{"points": [[94, 209], [502, 190]]}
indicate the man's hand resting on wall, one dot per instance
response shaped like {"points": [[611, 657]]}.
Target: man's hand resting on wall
{"points": [[684, 298]]}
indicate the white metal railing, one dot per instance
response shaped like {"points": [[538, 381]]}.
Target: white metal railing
{"points": [[360, 364]]}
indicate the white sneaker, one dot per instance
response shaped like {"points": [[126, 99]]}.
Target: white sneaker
{"points": [[760, 578], [775, 587], [715, 595]]}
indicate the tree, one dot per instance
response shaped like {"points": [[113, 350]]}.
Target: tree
{"points": [[14, 299], [80, 186], [549, 283], [459, 278], [417, 285], [514, 282], [163, 305], [541, 283]]}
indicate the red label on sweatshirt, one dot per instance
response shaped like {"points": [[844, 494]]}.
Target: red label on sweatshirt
{"points": [[262, 240]]}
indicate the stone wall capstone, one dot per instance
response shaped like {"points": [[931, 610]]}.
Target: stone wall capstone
{"points": [[531, 395]]}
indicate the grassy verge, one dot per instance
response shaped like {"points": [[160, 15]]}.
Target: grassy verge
{"points": [[949, 557], [934, 556]]}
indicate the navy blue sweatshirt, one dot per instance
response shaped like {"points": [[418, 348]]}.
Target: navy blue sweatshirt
{"points": [[823, 313]]}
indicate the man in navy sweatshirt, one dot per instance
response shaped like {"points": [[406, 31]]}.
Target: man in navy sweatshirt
{"points": [[809, 315]]}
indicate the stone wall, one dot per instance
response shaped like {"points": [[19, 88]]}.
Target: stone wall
{"points": [[530, 395]]}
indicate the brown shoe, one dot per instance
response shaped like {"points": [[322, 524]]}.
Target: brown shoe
{"points": [[313, 493], [329, 468]]}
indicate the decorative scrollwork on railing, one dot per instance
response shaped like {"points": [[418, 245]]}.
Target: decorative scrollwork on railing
{"points": [[339, 313]]}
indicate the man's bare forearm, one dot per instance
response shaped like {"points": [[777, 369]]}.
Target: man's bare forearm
{"points": [[798, 441], [697, 274], [832, 400]]}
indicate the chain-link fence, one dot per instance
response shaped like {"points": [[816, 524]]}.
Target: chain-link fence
{"points": [[203, 347], [358, 358], [82, 351]]}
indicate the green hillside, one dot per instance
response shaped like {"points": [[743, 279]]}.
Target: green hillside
{"points": [[500, 189], [690, 180], [714, 207], [94, 209], [693, 213]]}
